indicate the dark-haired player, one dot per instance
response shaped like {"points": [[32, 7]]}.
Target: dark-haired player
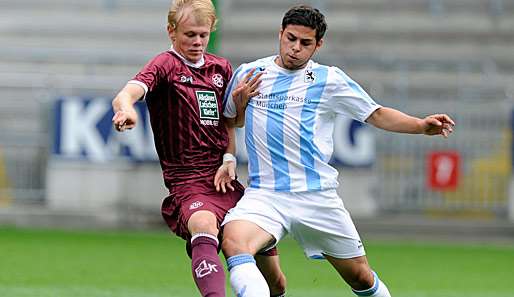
{"points": [[292, 188]]}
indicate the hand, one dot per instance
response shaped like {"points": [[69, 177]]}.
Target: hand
{"points": [[438, 124], [224, 176], [125, 119], [246, 89]]}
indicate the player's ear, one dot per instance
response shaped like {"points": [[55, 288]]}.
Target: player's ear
{"points": [[171, 32], [280, 33], [319, 44]]}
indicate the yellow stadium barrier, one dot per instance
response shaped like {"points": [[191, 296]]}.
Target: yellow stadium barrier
{"points": [[5, 196]]}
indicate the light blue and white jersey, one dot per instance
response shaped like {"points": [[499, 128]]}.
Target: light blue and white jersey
{"points": [[289, 126]]}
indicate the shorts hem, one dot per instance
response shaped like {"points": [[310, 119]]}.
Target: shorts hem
{"points": [[320, 255]]}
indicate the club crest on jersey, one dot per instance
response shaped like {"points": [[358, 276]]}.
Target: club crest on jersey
{"points": [[217, 80], [208, 107], [310, 76], [186, 79]]}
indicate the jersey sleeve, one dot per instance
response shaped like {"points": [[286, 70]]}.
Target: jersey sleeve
{"points": [[227, 78], [349, 98], [229, 107], [153, 73]]}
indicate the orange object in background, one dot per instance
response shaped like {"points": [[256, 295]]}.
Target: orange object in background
{"points": [[443, 170]]}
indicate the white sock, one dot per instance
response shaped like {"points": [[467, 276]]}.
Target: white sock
{"points": [[379, 289], [245, 278]]}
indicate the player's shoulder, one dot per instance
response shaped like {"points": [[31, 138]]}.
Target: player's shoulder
{"points": [[329, 68], [165, 58], [260, 65], [327, 73], [165, 55], [215, 59], [336, 74]]}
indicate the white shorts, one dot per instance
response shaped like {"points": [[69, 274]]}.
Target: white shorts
{"points": [[318, 221]]}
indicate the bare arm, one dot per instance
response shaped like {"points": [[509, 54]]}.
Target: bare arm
{"points": [[227, 172], [125, 116], [239, 120], [394, 120]]}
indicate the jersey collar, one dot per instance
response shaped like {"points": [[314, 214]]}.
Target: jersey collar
{"points": [[282, 69], [198, 64]]}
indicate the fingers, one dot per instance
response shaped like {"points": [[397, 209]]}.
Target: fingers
{"points": [[249, 75], [224, 177], [446, 119], [217, 178], [229, 186], [448, 127], [443, 123], [237, 91], [122, 120], [223, 189], [433, 121], [255, 81], [250, 83], [119, 121]]}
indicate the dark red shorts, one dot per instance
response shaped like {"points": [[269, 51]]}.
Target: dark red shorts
{"points": [[185, 200]]}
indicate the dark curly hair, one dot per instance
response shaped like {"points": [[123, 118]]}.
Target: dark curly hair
{"points": [[305, 15]]}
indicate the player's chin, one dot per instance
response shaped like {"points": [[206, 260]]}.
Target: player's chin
{"points": [[195, 56]]}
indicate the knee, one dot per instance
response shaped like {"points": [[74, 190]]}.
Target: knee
{"points": [[231, 247], [362, 279], [203, 222]]}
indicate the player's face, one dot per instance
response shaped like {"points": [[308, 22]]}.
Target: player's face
{"points": [[297, 45], [190, 38]]}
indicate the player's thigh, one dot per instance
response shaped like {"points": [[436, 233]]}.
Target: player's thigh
{"points": [[355, 271], [253, 225], [242, 236], [324, 227]]}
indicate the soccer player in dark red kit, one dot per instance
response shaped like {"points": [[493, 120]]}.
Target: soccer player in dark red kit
{"points": [[183, 88]]}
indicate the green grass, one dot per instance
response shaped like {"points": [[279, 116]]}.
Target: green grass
{"points": [[42, 263]]}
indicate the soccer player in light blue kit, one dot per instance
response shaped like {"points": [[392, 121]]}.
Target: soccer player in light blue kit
{"points": [[292, 189]]}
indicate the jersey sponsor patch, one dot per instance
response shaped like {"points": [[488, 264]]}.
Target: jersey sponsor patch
{"points": [[208, 105], [217, 80], [196, 205]]}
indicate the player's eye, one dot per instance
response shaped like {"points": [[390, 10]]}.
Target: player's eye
{"points": [[291, 38]]}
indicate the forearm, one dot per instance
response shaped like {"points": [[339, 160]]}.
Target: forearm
{"points": [[231, 148], [240, 118], [396, 121], [126, 98]]}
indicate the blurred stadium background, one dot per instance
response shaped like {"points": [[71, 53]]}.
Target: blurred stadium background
{"points": [[62, 61]]}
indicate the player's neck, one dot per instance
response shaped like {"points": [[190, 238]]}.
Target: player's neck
{"points": [[279, 63]]}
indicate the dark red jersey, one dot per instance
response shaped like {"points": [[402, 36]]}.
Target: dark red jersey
{"points": [[185, 105]]}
